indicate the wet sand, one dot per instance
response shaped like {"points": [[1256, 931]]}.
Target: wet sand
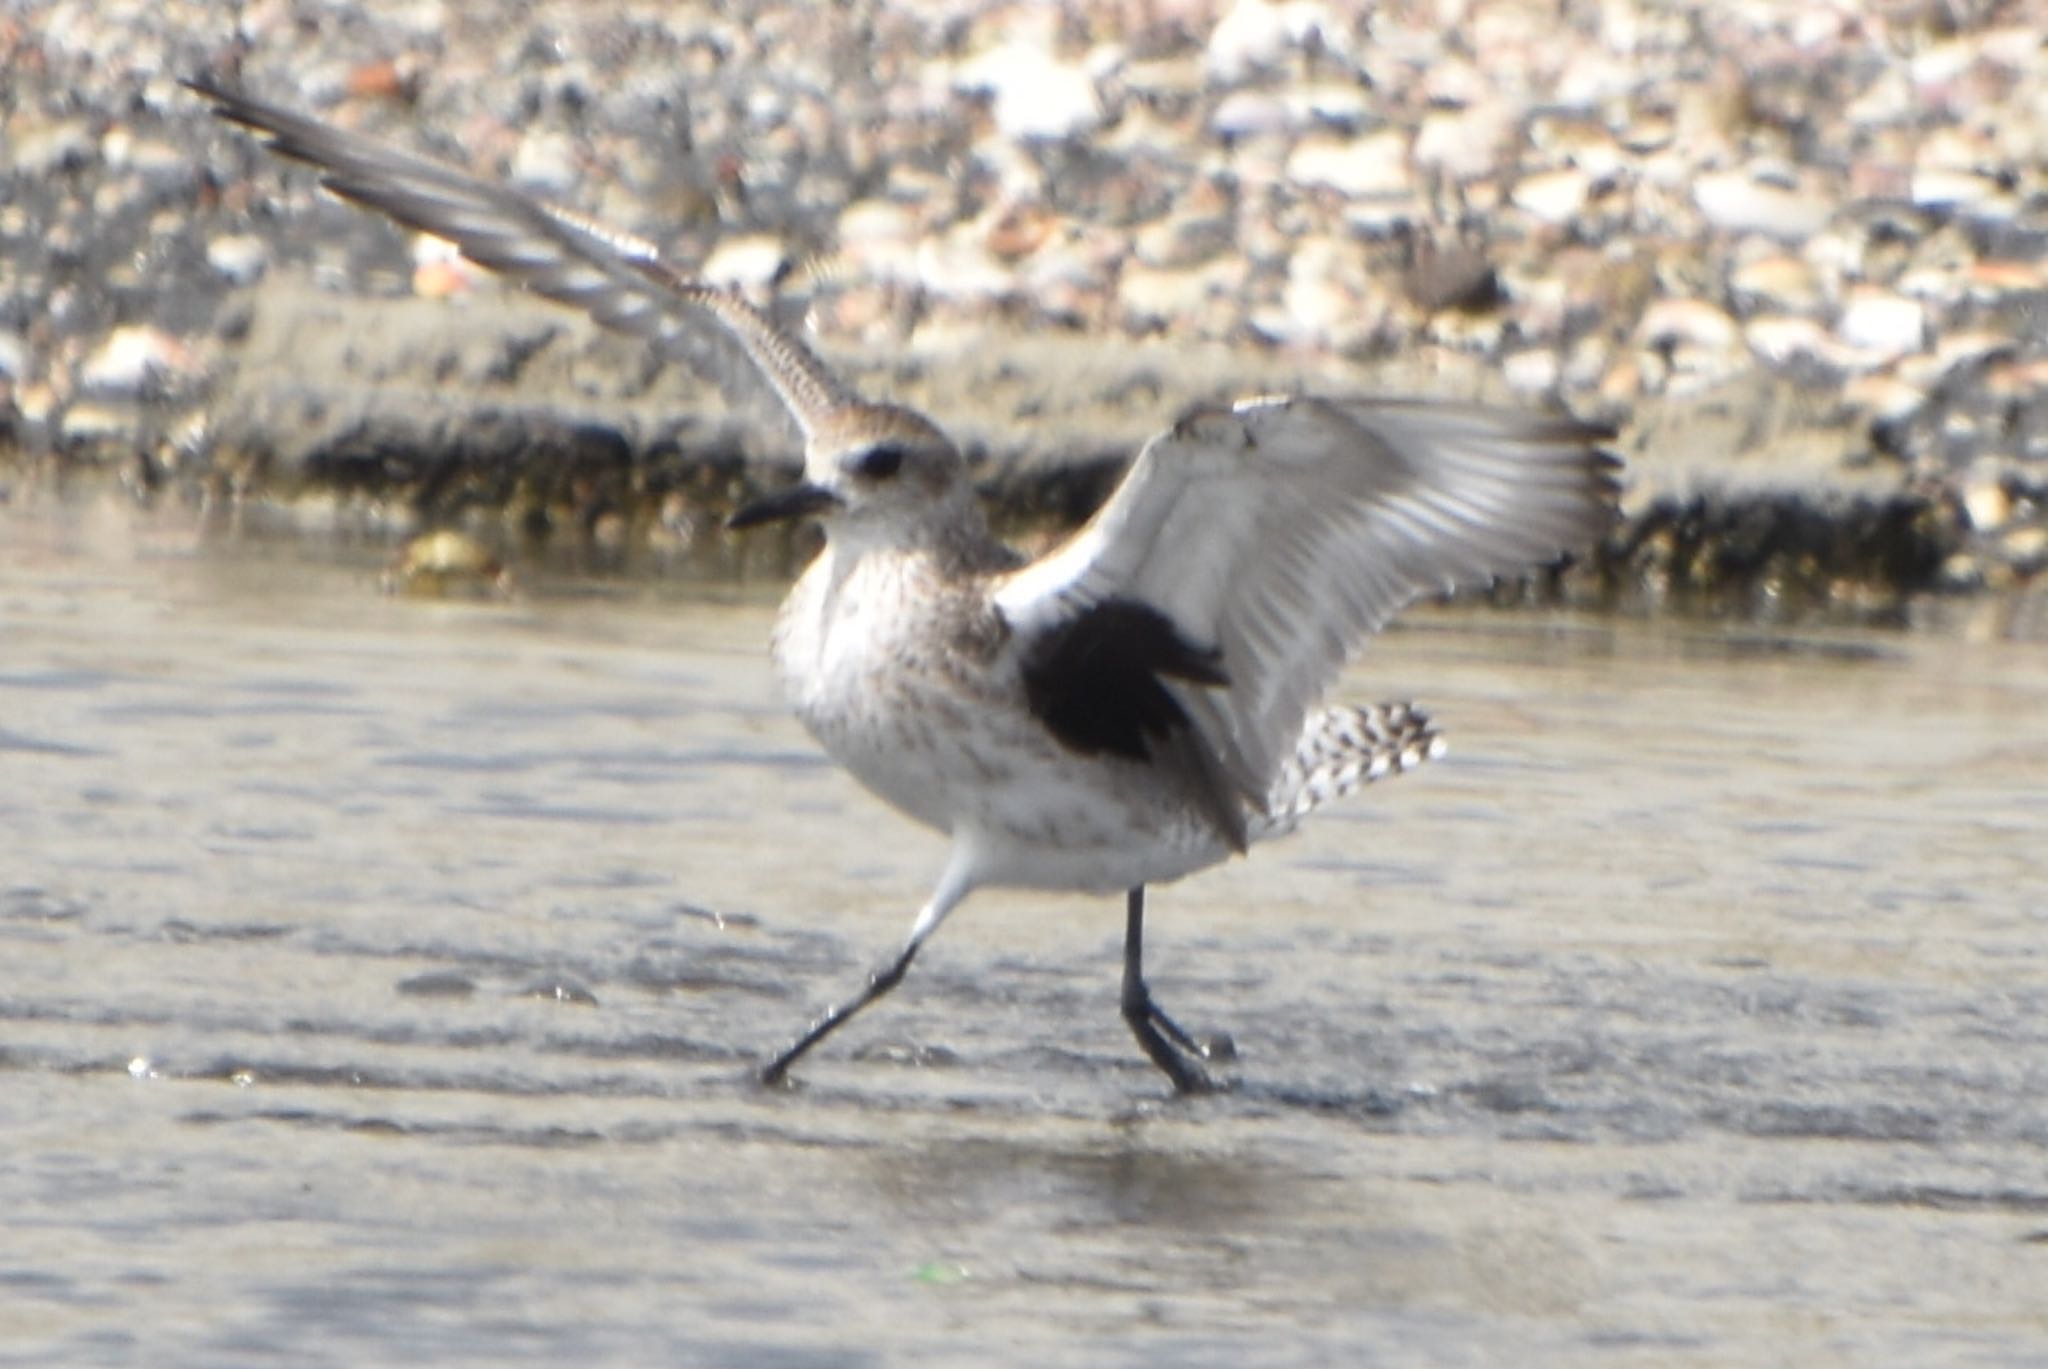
{"points": [[381, 979]]}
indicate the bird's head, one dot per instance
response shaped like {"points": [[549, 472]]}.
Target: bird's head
{"points": [[871, 471]]}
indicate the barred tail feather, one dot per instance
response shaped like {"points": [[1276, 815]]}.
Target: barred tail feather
{"points": [[1343, 749]]}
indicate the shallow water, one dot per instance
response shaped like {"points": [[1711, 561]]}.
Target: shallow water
{"points": [[378, 980]]}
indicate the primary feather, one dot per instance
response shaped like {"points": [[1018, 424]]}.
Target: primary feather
{"points": [[1281, 533]]}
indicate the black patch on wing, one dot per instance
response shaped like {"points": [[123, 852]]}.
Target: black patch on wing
{"points": [[1097, 681]]}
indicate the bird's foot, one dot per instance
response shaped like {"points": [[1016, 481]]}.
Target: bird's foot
{"points": [[1216, 1047], [1172, 1047]]}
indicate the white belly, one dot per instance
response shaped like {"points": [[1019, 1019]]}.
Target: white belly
{"points": [[947, 740]]}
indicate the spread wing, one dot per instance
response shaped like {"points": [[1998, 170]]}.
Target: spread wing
{"points": [[618, 279], [1275, 536]]}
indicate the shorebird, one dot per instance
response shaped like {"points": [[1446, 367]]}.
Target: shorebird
{"points": [[1143, 701]]}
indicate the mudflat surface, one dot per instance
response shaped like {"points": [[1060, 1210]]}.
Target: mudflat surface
{"points": [[381, 978]]}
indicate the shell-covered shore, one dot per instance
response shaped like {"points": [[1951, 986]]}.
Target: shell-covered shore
{"points": [[1797, 254]]}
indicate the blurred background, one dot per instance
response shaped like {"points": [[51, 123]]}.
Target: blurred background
{"points": [[1795, 252]]}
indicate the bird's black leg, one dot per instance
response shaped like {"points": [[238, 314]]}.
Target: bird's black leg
{"points": [[879, 983], [955, 884], [1162, 1038]]}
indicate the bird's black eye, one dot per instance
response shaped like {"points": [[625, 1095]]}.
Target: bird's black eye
{"points": [[879, 463]]}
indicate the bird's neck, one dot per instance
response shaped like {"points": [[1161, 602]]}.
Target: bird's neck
{"points": [[953, 537]]}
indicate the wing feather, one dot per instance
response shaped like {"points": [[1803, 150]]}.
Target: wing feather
{"points": [[1284, 532], [618, 279]]}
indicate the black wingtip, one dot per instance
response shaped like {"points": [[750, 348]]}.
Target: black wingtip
{"points": [[213, 92], [232, 106]]}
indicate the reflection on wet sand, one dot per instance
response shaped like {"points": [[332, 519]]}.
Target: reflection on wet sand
{"points": [[383, 977]]}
